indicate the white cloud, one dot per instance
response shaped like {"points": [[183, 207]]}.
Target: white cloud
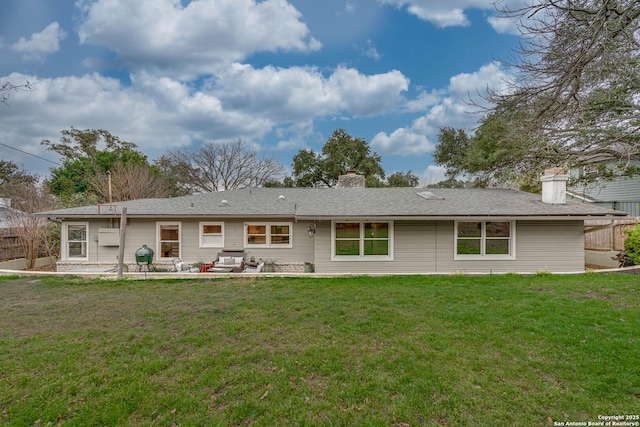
{"points": [[296, 136], [441, 13], [196, 39], [349, 7], [509, 25], [283, 94], [423, 101], [402, 142], [452, 12], [453, 109], [299, 93], [474, 85], [371, 51], [41, 44], [433, 174], [362, 95], [159, 113], [156, 114], [504, 25]]}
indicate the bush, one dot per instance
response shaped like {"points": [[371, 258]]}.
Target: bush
{"points": [[632, 244]]}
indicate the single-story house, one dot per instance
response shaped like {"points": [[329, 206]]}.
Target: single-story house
{"points": [[349, 229]]}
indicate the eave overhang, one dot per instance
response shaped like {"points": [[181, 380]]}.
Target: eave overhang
{"points": [[577, 217]]}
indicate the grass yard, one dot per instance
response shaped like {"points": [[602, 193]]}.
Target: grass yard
{"points": [[377, 351]]}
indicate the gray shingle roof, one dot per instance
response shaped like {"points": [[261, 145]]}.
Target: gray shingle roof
{"points": [[345, 202]]}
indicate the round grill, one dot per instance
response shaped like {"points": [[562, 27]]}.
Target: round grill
{"points": [[144, 255]]}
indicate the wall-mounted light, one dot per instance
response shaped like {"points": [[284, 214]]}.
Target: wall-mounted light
{"points": [[311, 231]]}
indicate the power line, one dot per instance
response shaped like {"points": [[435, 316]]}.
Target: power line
{"points": [[29, 154]]}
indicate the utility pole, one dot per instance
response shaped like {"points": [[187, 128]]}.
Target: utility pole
{"points": [[123, 229]]}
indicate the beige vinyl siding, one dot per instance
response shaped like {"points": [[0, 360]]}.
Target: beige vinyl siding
{"points": [[559, 249], [428, 247], [96, 252], [555, 246], [414, 251], [419, 247], [143, 232]]}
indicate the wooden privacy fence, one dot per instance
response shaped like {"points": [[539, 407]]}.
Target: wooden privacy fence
{"points": [[9, 246], [607, 235]]}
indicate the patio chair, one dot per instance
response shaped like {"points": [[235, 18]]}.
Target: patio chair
{"points": [[180, 265], [256, 269]]}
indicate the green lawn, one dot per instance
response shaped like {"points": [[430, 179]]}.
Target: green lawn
{"points": [[376, 351]]}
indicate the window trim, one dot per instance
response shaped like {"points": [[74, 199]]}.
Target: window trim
{"points": [[65, 240], [362, 256], [268, 243], [159, 242], [201, 234], [483, 242]]}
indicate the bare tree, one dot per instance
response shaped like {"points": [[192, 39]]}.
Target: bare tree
{"points": [[130, 181], [35, 234], [220, 166], [578, 81]]}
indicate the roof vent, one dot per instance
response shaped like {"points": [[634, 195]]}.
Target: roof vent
{"points": [[281, 197], [429, 195], [224, 203]]}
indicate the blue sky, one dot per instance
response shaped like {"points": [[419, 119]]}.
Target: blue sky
{"points": [[279, 75]]}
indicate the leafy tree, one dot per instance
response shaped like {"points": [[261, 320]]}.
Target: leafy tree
{"points": [[400, 179], [497, 154], [96, 146], [13, 183], [451, 151], [216, 167], [577, 89], [448, 183], [287, 182], [87, 156], [340, 154]]}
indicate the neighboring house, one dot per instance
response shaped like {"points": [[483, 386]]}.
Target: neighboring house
{"points": [[344, 230], [622, 194]]}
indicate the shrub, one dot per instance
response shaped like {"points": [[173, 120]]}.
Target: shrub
{"points": [[632, 244]]}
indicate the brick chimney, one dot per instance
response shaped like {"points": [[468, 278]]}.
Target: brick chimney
{"points": [[351, 180], [554, 186]]}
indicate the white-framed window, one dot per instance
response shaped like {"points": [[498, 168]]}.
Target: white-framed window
{"points": [[272, 234], [169, 236], [485, 240], [75, 238], [211, 234], [364, 240]]}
